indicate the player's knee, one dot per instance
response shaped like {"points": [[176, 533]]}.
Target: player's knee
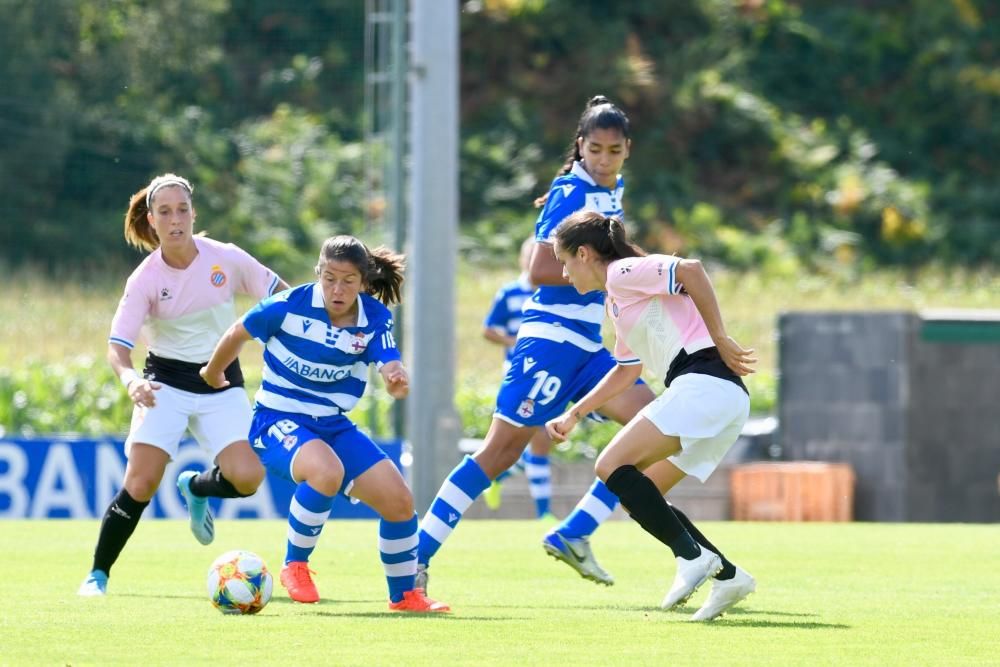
{"points": [[494, 459], [605, 466], [141, 487], [327, 480], [399, 507], [246, 480]]}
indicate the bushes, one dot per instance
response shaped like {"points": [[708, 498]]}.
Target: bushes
{"points": [[81, 395]]}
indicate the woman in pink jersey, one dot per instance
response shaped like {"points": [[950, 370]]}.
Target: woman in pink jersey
{"points": [[180, 299], [666, 318]]}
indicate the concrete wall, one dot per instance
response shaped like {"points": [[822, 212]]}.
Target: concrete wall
{"points": [[953, 457], [917, 414]]}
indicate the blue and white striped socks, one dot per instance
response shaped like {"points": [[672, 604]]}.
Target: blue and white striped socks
{"points": [[307, 513], [462, 487], [596, 506], [539, 474], [397, 545]]}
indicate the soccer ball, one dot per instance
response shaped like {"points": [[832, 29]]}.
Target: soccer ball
{"points": [[239, 583]]}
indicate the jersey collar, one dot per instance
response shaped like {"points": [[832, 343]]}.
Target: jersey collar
{"points": [[317, 302], [581, 173]]}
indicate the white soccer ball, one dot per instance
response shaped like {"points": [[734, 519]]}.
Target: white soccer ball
{"points": [[239, 583]]}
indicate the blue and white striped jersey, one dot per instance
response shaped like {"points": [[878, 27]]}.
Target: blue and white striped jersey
{"points": [[311, 367], [560, 313], [505, 313]]}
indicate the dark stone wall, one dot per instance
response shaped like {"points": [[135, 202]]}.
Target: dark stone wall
{"points": [[953, 457], [916, 414]]}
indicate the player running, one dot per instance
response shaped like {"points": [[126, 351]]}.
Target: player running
{"points": [[666, 318]]}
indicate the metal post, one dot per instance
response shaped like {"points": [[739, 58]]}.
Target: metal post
{"points": [[433, 426], [396, 171]]}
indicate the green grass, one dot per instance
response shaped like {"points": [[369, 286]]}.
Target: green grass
{"points": [[828, 594]]}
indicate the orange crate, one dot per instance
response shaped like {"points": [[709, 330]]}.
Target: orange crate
{"points": [[793, 491]]}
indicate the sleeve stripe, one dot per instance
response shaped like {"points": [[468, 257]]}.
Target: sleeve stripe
{"points": [[121, 341], [274, 283], [628, 362], [671, 284]]}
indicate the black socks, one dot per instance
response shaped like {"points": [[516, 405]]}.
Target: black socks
{"points": [[211, 483], [728, 570], [120, 520], [646, 505]]}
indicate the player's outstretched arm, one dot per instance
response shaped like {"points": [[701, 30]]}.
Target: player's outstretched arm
{"points": [[615, 382], [225, 353], [698, 286]]}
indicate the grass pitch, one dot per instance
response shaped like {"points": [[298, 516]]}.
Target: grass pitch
{"points": [[876, 594]]}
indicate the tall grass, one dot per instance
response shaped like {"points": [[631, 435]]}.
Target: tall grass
{"points": [[64, 324]]}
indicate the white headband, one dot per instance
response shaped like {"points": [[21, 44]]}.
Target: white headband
{"points": [[158, 184]]}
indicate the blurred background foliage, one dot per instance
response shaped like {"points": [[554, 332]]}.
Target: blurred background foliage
{"points": [[768, 134]]}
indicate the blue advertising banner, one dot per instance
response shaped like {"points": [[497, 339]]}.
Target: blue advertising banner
{"points": [[68, 477]]}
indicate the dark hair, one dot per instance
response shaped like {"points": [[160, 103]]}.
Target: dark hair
{"points": [[604, 233], [138, 232], [600, 113], [381, 269]]}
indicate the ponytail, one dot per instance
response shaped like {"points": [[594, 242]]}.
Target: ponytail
{"points": [[385, 276], [605, 234], [138, 232], [601, 113]]}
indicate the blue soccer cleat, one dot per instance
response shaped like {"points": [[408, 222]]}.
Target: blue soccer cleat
{"points": [[95, 585], [202, 524], [577, 554]]}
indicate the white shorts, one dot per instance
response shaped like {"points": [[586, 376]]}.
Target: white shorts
{"points": [[215, 420], [707, 413]]}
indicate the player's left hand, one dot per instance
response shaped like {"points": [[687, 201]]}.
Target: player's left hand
{"points": [[739, 359], [397, 380]]}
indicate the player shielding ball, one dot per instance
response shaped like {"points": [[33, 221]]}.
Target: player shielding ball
{"points": [[319, 340], [666, 318]]}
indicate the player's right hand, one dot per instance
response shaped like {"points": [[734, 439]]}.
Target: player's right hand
{"points": [[560, 427], [141, 391]]}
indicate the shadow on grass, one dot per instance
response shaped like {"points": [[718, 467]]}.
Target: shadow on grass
{"points": [[751, 618], [743, 611], [421, 617], [160, 596], [289, 601], [728, 622]]}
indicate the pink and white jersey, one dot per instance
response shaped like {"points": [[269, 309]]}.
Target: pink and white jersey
{"points": [[653, 319], [182, 313]]}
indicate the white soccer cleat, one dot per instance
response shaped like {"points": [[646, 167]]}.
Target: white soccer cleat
{"points": [[725, 595], [690, 575]]}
